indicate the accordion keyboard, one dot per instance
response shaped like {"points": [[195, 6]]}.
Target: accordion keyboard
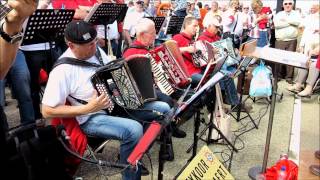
{"points": [[160, 78]]}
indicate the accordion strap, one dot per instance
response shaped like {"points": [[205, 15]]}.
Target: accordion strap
{"points": [[135, 47], [77, 62]]}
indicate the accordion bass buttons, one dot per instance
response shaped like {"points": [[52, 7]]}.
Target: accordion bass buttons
{"points": [[101, 88]]}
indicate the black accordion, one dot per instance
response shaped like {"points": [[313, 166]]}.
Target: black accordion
{"points": [[128, 82]]}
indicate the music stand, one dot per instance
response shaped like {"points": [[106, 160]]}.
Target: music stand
{"points": [[175, 25], [158, 21], [280, 57], [46, 25], [106, 13], [195, 102], [241, 71]]}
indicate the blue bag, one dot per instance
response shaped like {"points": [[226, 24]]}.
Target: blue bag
{"points": [[260, 85]]}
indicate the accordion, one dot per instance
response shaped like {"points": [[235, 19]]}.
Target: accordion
{"points": [[203, 55], [129, 82], [168, 64]]}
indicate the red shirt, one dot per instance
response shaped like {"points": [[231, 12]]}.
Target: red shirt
{"points": [[71, 4], [207, 36], [318, 62], [263, 23], [183, 40], [132, 50]]}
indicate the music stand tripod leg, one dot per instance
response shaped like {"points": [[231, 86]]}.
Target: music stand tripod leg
{"points": [[242, 103]]}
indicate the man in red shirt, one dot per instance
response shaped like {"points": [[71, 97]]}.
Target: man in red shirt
{"points": [[185, 41], [210, 33], [146, 34]]}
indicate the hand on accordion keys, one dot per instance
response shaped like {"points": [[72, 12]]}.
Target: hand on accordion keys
{"points": [[97, 103]]}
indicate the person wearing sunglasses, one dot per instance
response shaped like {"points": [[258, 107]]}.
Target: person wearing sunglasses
{"points": [[286, 25]]}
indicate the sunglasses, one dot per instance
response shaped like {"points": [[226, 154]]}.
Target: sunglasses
{"points": [[245, 8], [287, 4]]}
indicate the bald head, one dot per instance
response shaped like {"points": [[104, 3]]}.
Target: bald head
{"points": [[146, 32], [144, 25]]}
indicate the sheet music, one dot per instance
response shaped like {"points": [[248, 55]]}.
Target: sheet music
{"points": [[210, 84], [273, 55]]}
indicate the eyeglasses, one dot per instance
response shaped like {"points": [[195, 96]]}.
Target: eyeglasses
{"points": [[287, 4]]}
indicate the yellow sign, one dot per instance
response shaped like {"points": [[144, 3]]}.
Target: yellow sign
{"points": [[205, 166]]}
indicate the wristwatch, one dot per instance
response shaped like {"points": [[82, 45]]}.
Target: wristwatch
{"points": [[10, 39]]}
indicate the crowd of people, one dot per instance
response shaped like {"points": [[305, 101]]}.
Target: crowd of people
{"points": [[70, 93]]}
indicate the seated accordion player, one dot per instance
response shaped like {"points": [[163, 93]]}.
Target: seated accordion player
{"points": [[128, 82]]}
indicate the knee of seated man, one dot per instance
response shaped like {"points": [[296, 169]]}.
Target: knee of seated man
{"points": [[162, 107]]}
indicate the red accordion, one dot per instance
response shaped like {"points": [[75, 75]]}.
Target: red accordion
{"points": [[167, 57]]}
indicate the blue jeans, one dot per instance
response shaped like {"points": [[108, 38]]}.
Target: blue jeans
{"points": [[195, 79], [229, 87], [150, 115], [20, 81], [110, 127], [263, 39]]}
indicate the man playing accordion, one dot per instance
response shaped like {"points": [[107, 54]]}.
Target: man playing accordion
{"points": [[70, 82], [146, 34]]}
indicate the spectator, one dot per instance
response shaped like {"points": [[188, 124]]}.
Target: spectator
{"points": [[203, 12], [246, 21], [20, 82], [206, 6], [132, 18], [192, 10], [286, 24], [260, 25], [213, 12]]}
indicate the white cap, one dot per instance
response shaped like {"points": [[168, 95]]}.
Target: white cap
{"points": [[191, 1], [211, 21]]}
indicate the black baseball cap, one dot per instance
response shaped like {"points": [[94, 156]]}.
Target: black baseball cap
{"points": [[80, 32]]}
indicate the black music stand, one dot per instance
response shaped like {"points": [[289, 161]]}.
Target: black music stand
{"points": [[158, 21], [241, 71], [275, 57], [46, 25], [175, 25], [196, 103], [106, 13]]}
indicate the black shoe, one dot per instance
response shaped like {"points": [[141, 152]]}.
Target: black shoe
{"points": [[176, 132], [169, 154], [144, 170]]}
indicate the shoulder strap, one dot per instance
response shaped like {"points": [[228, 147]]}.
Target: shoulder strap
{"points": [[77, 62], [74, 61], [136, 47], [234, 28]]}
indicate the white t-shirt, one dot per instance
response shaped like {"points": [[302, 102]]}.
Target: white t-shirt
{"points": [[132, 18], [67, 79]]}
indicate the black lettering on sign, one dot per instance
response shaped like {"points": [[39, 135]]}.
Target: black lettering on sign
{"points": [[198, 171], [190, 177], [194, 175], [217, 176], [202, 168], [204, 164], [220, 167], [222, 176]]}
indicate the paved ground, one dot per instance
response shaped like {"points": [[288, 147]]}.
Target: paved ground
{"points": [[251, 144]]}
